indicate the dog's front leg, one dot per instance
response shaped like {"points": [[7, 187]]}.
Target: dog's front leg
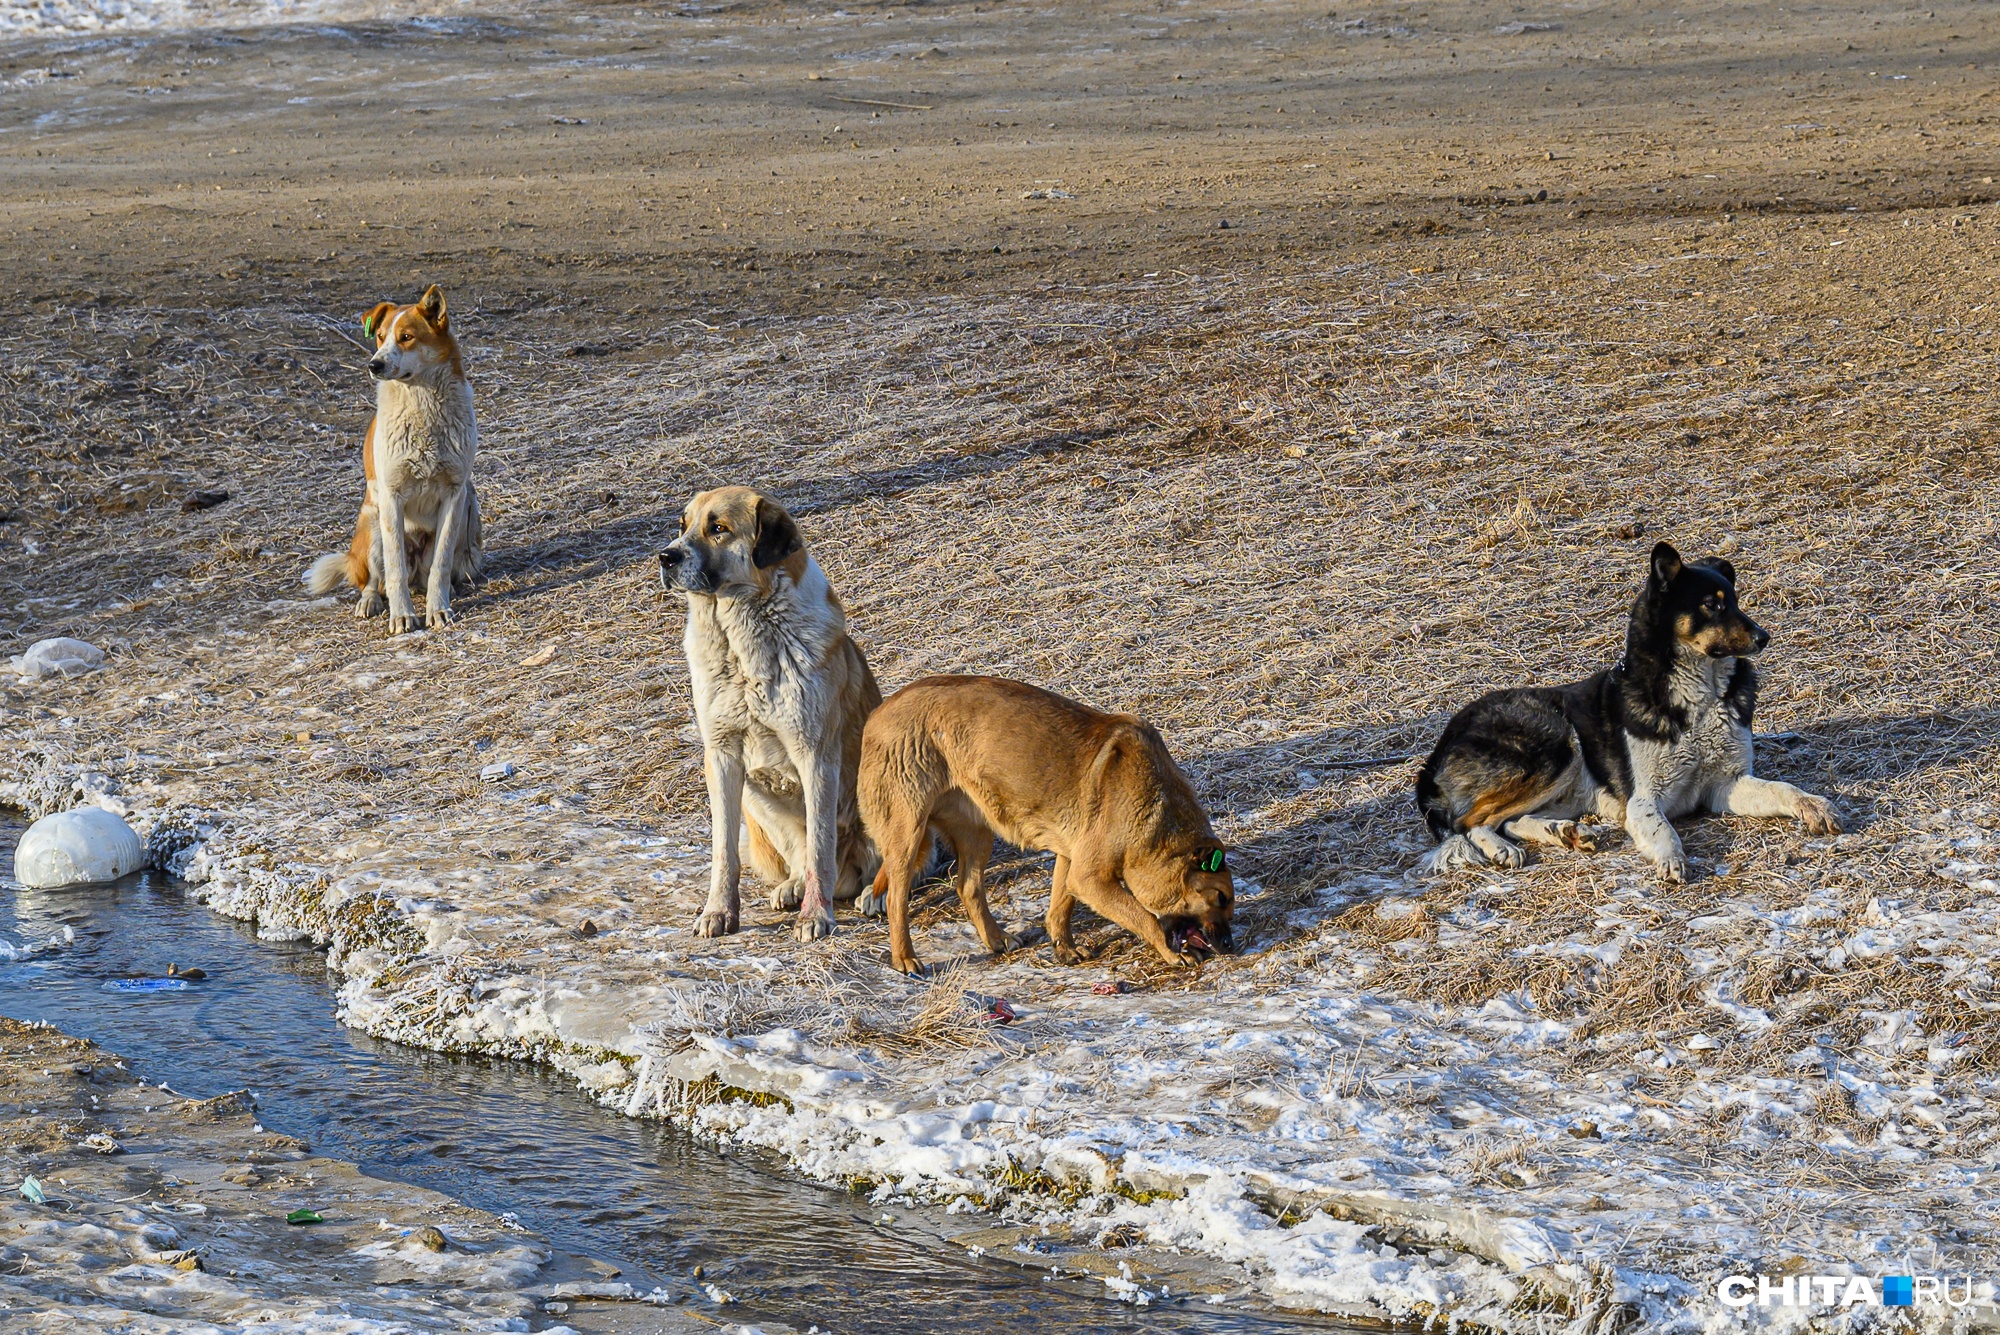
{"points": [[395, 561], [723, 765], [822, 784], [444, 555], [1108, 898], [1655, 836], [1751, 796]]}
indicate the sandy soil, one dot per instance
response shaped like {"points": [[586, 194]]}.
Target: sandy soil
{"points": [[1504, 295]]}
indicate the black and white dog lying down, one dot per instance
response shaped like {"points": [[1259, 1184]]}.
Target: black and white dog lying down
{"points": [[1665, 733]]}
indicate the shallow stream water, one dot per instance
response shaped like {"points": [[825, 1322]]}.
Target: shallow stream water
{"points": [[509, 1138]]}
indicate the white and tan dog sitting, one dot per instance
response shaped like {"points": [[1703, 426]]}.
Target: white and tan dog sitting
{"points": [[417, 458], [780, 695]]}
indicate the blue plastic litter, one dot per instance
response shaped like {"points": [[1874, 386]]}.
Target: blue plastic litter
{"points": [[146, 985]]}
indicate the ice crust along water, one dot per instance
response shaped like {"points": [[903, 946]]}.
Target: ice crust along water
{"points": [[1216, 1119], [25, 18]]}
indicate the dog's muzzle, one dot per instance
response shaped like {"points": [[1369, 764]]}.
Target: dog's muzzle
{"points": [[679, 570], [1759, 637], [1185, 936], [379, 369]]}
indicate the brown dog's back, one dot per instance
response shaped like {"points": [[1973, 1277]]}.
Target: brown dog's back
{"points": [[1025, 756]]}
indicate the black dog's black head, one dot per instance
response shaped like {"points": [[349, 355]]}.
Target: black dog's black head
{"points": [[1697, 599]]}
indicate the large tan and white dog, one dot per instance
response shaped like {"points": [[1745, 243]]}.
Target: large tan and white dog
{"points": [[417, 458], [780, 695]]}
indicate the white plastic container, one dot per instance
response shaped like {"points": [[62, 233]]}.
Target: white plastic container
{"points": [[76, 848]]}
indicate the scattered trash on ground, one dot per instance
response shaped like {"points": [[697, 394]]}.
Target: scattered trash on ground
{"points": [[59, 657], [304, 1217], [1000, 1010]]}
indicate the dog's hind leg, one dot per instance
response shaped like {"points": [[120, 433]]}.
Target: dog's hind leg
{"points": [[972, 842], [1548, 833], [1062, 904], [771, 862], [903, 838], [469, 565], [365, 556]]}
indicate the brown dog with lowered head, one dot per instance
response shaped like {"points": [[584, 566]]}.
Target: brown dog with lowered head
{"points": [[972, 758]]}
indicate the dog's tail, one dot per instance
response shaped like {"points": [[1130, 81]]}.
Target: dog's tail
{"points": [[1431, 799], [326, 574]]}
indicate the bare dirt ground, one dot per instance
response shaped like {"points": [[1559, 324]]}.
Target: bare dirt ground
{"points": [[1504, 296]]}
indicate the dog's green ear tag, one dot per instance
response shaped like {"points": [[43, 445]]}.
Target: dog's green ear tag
{"points": [[1210, 861], [368, 325]]}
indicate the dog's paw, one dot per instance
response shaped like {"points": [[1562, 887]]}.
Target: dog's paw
{"points": [[371, 605], [401, 624], [871, 905], [1067, 954], [1577, 836], [1674, 868], [715, 922], [908, 965], [788, 895], [1507, 854], [813, 927], [1817, 815], [438, 618], [1573, 836]]}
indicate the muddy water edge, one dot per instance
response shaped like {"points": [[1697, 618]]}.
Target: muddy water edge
{"points": [[515, 1140]]}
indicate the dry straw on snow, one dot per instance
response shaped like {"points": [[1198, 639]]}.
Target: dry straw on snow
{"points": [[1295, 518]]}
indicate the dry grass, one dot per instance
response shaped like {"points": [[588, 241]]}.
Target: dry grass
{"points": [[1294, 517]]}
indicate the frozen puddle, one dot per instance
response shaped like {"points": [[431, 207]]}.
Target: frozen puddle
{"points": [[519, 1141]]}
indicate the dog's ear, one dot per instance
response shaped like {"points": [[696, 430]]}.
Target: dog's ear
{"points": [[1666, 564], [777, 536], [373, 323], [432, 305], [1720, 565]]}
